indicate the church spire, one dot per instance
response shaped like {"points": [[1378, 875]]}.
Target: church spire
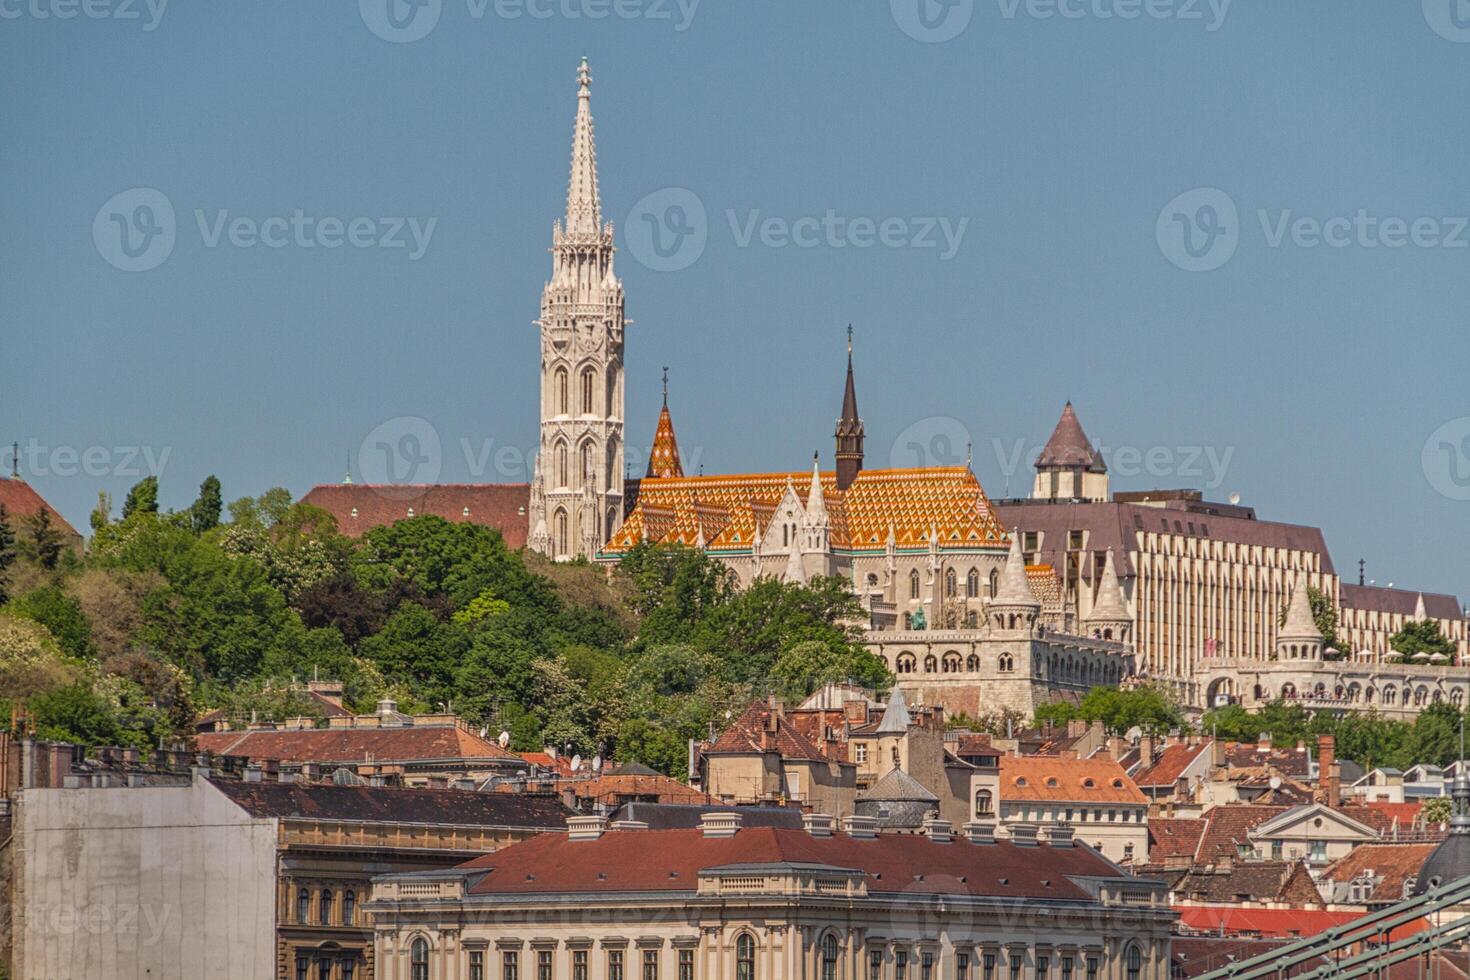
{"points": [[584, 202], [663, 458], [849, 429]]}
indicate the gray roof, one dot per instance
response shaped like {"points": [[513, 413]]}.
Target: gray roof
{"points": [[1373, 598], [895, 719], [898, 786], [676, 816]]}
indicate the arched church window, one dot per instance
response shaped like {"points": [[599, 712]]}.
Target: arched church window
{"points": [[931, 664], [950, 583], [589, 379], [561, 464], [561, 532], [913, 585], [586, 470], [563, 406], [972, 584], [994, 582]]}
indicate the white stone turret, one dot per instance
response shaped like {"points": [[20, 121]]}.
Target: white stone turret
{"points": [[582, 323], [1014, 608], [1299, 638], [1109, 617]]}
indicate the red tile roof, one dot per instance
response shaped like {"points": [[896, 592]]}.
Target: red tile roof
{"points": [[1394, 863], [1173, 839], [1394, 819], [1171, 764], [19, 500], [360, 506], [1228, 825], [749, 735], [414, 743], [1271, 922], [1096, 780], [615, 789], [671, 860]]}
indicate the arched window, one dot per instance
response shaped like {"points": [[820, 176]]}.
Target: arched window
{"points": [[1134, 961], [951, 583], [1390, 695], [984, 803], [560, 473], [951, 663], [914, 584], [931, 664], [1007, 663], [563, 400], [744, 957], [872, 579], [994, 582], [326, 906], [972, 663], [972, 584], [418, 960], [906, 663], [829, 957], [303, 906], [349, 907], [561, 532], [589, 379], [586, 472]]}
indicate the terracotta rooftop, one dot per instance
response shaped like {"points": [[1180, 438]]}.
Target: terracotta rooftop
{"points": [[1282, 882], [1096, 780], [1171, 764], [1228, 825], [751, 734], [725, 510], [671, 860], [1271, 922], [1394, 863], [1170, 839], [618, 787], [359, 507], [319, 801], [413, 743], [20, 500]]}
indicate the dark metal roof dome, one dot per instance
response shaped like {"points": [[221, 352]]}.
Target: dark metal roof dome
{"points": [[1450, 861]]}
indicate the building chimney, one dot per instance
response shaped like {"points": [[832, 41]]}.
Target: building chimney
{"points": [[586, 828], [860, 828], [1145, 751], [1263, 744], [1024, 834], [1329, 776], [1061, 835], [980, 831], [719, 823], [939, 831], [629, 825], [252, 774], [818, 824]]}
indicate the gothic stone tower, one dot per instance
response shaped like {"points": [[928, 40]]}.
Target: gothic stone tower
{"points": [[580, 473]]}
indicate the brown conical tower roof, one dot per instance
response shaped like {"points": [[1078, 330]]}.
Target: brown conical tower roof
{"points": [[663, 458], [1069, 447]]}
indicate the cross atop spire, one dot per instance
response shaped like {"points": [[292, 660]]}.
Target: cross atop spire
{"points": [[849, 429], [663, 458], [584, 202], [666, 387]]}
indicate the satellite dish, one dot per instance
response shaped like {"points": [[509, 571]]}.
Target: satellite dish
{"points": [[484, 732], [504, 739], [597, 764], [576, 763], [1235, 499], [1275, 782]]}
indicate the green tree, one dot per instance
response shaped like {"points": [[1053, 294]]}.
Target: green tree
{"points": [[808, 665], [1421, 636], [1436, 735], [415, 648], [1145, 707], [7, 551], [1437, 810], [1055, 713], [142, 498], [42, 543], [61, 615], [204, 513], [101, 515], [31, 662]]}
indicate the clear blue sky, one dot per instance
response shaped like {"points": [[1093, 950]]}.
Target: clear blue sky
{"points": [[1320, 371]]}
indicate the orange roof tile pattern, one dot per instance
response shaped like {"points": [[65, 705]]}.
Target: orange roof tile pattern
{"points": [[663, 459], [1045, 584], [351, 745], [945, 502], [1047, 778]]}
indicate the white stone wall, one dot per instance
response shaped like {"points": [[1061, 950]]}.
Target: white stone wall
{"points": [[135, 883]]}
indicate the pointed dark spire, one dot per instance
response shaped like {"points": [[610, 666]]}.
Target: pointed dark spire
{"points": [[1069, 448], [849, 429]]}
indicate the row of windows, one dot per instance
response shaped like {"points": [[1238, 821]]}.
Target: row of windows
{"points": [[1419, 697], [951, 583], [324, 911], [586, 393], [904, 963], [321, 968]]}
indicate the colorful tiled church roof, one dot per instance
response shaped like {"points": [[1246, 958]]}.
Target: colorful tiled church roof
{"points": [[915, 504], [663, 459]]}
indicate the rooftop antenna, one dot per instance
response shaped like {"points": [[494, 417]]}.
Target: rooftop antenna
{"points": [[348, 478], [1362, 566], [15, 461], [849, 340], [666, 386]]}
